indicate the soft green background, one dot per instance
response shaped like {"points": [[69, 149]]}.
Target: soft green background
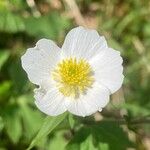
{"points": [[124, 123]]}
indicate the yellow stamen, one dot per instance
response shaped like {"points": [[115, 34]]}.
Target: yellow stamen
{"points": [[73, 77]]}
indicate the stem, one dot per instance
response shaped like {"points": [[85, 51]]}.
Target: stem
{"points": [[75, 12], [121, 121]]}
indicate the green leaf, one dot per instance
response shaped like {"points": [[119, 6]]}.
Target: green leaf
{"points": [[1, 123], [135, 109], [79, 137], [3, 57], [19, 4], [88, 144], [13, 124], [48, 126], [112, 134], [58, 141], [32, 119], [49, 26], [2, 148], [103, 146], [71, 120], [146, 29], [5, 90], [11, 23], [126, 21], [103, 136], [18, 77]]}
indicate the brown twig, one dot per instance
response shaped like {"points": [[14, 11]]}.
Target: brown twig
{"points": [[75, 12], [121, 121], [32, 5]]}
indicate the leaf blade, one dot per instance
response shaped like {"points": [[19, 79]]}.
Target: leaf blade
{"points": [[48, 126]]}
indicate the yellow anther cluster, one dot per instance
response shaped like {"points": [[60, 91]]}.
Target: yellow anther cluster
{"points": [[73, 76]]}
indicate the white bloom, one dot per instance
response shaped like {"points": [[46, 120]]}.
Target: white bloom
{"points": [[78, 78]]}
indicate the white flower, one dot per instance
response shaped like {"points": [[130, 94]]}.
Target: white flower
{"points": [[78, 78]]}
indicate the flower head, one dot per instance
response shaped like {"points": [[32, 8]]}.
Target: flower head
{"points": [[73, 77], [78, 78]]}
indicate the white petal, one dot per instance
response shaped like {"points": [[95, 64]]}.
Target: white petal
{"points": [[94, 100], [83, 43], [40, 60], [51, 103], [108, 69]]}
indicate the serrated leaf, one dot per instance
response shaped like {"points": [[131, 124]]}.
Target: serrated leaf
{"points": [[109, 133], [105, 136], [48, 126]]}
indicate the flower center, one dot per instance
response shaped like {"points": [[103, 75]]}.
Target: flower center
{"points": [[73, 77]]}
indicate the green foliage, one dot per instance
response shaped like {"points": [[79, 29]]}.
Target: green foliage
{"points": [[1, 124], [71, 121], [4, 90], [58, 141], [33, 122], [48, 126], [105, 136], [49, 26], [3, 57], [13, 125], [18, 77], [126, 26], [11, 22]]}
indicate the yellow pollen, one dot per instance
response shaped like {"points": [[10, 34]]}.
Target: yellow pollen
{"points": [[73, 77]]}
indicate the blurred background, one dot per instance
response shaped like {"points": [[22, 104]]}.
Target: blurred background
{"points": [[125, 123]]}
